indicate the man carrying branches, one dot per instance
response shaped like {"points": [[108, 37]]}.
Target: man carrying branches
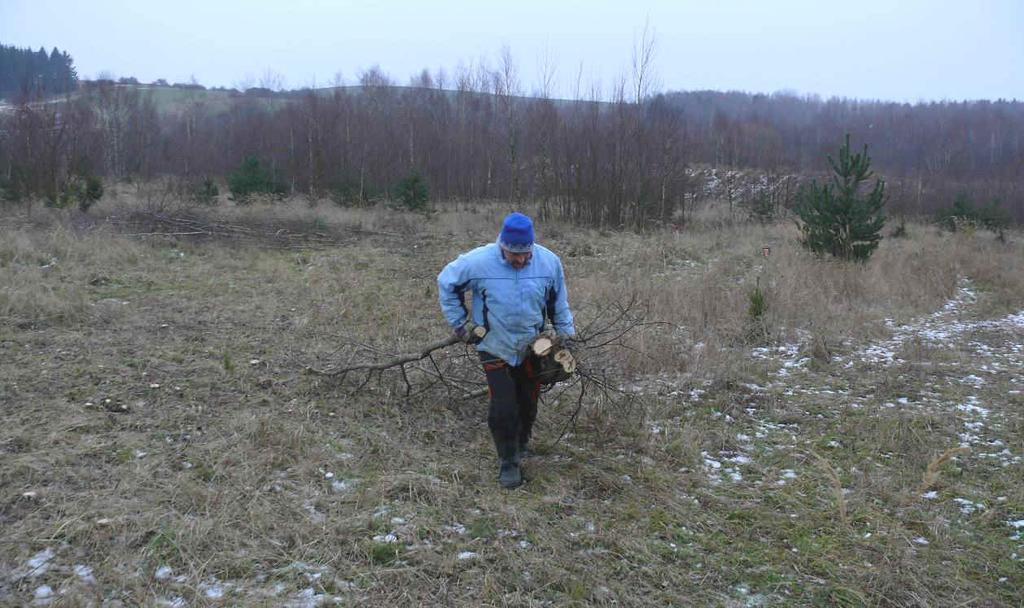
{"points": [[516, 286]]}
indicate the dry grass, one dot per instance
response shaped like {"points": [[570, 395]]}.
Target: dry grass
{"points": [[155, 416], [931, 473]]}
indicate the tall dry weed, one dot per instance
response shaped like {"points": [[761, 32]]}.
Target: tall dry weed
{"points": [[934, 468]]}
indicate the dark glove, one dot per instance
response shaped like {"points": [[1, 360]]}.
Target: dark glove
{"points": [[470, 333]]}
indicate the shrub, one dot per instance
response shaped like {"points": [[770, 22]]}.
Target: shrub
{"points": [[252, 178], [835, 218], [963, 213], [354, 192], [80, 190], [204, 191], [762, 209], [412, 192]]}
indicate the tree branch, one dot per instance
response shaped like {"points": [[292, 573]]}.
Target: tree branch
{"points": [[400, 360]]}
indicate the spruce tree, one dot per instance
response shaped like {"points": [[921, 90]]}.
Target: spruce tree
{"points": [[835, 218]]}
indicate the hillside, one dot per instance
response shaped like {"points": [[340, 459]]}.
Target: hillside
{"points": [[614, 164]]}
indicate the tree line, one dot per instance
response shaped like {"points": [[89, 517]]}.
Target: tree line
{"points": [[612, 160], [29, 75]]}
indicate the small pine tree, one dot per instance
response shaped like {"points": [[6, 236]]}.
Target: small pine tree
{"points": [[82, 190], [835, 218], [92, 191], [757, 316], [413, 192], [252, 178], [204, 192]]}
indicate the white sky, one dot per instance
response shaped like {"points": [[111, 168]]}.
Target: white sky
{"points": [[905, 50]]}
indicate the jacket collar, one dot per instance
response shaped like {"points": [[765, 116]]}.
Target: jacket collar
{"points": [[501, 253]]}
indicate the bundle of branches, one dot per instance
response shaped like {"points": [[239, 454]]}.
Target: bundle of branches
{"points": [[596, 353], [583, 369]]}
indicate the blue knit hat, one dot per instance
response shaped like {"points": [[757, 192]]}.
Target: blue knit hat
{"points": [[516, 233]]}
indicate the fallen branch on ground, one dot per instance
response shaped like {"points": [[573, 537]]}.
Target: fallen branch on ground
{"points": [[398, 361]]}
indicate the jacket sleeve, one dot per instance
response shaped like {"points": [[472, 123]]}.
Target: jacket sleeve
{"points": [[451, 288], [562, 319]]}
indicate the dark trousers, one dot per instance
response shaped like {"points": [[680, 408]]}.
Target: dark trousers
{"points": [[514, 392]]}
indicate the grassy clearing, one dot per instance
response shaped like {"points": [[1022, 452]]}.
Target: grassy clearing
{"points": [[161, 444]]}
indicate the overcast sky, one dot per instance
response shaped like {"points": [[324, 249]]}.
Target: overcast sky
{"points": [[904, 50]]}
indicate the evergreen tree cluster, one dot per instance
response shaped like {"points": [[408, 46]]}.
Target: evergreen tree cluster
{"points": [[28, 74], [964, 213]]}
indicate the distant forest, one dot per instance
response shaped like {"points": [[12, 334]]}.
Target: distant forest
{"points": [[28, 75], [626, 162]]}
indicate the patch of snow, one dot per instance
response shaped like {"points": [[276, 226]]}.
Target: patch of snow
{"points": [[84, 573], [213, 591], [967, 507], [37, 565], [314, 515], [307, 598], [464, 555], [971, 407], [456, 528]]}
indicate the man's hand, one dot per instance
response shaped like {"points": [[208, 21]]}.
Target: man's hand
{"points": [[470, 333]]}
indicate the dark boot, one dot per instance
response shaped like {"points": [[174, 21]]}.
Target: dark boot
{"points": [[510, 475]]}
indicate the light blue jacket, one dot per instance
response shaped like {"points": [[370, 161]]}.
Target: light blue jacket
{"points": [[512, 304]]}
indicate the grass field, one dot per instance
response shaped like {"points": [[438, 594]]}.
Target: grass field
{"points": [[858, 443]]}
